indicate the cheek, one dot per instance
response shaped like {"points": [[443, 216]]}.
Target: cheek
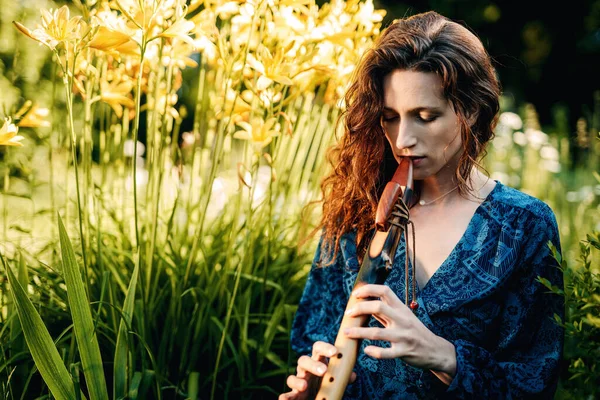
{"points": [[391, 142], [449, 137]]}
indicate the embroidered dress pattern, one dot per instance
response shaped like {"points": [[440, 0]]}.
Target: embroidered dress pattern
{"points": [[484, 298]]}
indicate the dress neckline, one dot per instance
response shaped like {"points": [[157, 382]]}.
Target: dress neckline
{"points": [[458, 244]]}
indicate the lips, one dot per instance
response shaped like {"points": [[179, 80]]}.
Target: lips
{"points": [[414, 157], [416, 160]]}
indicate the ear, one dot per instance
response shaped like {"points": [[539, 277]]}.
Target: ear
{"points": [[472, 118]]}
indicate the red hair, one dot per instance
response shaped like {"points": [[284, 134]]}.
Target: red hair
{"points": [[362, 159]]}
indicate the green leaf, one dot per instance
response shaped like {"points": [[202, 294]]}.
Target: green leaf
{"points": [[121, 351], [147, 377], [193, 385], [575, 376], [83, 324], [135, 385], [42, 348], [557, 318], [75, 375], [593, 241], [15, 326], [593, 320], [275, 359]]}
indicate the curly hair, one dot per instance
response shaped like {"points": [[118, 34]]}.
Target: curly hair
{"points": [[362, 159]]}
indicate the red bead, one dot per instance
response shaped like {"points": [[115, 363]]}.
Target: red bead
{"points": [[414, 305]]}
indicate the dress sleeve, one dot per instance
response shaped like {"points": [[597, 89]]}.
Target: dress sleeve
{"points": [[321, 306], [526, 362]]}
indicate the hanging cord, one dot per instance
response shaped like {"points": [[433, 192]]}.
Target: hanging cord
{"points": [[413, 304], [414, 269], [401, 211], [406, 261]]}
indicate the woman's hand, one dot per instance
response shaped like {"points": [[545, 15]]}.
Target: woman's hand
{"points": [[310, 370], [410, 340]]}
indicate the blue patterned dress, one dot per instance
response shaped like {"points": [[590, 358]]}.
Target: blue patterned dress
{"points": [[484, 299]]}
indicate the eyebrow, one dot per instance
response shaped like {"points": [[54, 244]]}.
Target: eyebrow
{"points": [[416, 109]]}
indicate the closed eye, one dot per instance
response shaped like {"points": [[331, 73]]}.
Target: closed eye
{"points": [[418, 117], [426, 120]]}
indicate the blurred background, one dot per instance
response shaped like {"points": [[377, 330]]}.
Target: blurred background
{"points": [[546, 53]]}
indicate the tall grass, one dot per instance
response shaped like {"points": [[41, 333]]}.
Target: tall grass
{"points": [[187, 243]]}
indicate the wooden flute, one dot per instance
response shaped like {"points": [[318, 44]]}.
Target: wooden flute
{"points": [[391, 220]]}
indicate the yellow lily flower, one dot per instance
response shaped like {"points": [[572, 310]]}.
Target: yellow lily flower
{"points": [[8, 134], [180, 28], [206, 33], [130, 48], [115, 94], [113, 35], [241, 110], [367, 16], [56, 28], [271, 68], [178, 54], [260, 133], [292, 22], [137, 17], [108, 39], [227, 10], [34, 117], [241, 25]]}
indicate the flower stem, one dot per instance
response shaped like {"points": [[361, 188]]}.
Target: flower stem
{"points": [[136, 126], [68, 76], [68, 85]]}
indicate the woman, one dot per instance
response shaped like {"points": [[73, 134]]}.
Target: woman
{"points": [[482, 325]]}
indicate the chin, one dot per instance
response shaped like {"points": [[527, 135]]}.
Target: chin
{"points": [[421, 173]]}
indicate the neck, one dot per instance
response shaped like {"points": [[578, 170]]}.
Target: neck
{"points": [[434, 187]]}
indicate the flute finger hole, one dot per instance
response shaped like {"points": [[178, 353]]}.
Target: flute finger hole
{"points": [[339, 355], [331, 379]]}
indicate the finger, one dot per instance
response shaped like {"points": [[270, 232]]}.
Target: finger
{"points": [[372, 307], [293, 395], [301, 371], [371, 333], [297, 384], [382, 291], [323, 349], [288, 395], [353, 377], [312, 366], [381, 353]]}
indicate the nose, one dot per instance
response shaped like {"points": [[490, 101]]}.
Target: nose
{"points": [[402, 136]]}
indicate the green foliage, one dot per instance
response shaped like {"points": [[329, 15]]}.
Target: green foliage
{"points": [[83, 324], [122, 356], [581, 372], [44, 352]]}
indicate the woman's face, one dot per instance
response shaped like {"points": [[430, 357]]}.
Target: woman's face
{"points": [[418, 121]]}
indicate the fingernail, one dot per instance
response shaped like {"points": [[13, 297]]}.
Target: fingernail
{"points": [[321, 370], [349, 311], [355, 293], [346, 331]]}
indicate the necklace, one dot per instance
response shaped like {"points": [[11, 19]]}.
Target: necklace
{"points": [[426, 203]]}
